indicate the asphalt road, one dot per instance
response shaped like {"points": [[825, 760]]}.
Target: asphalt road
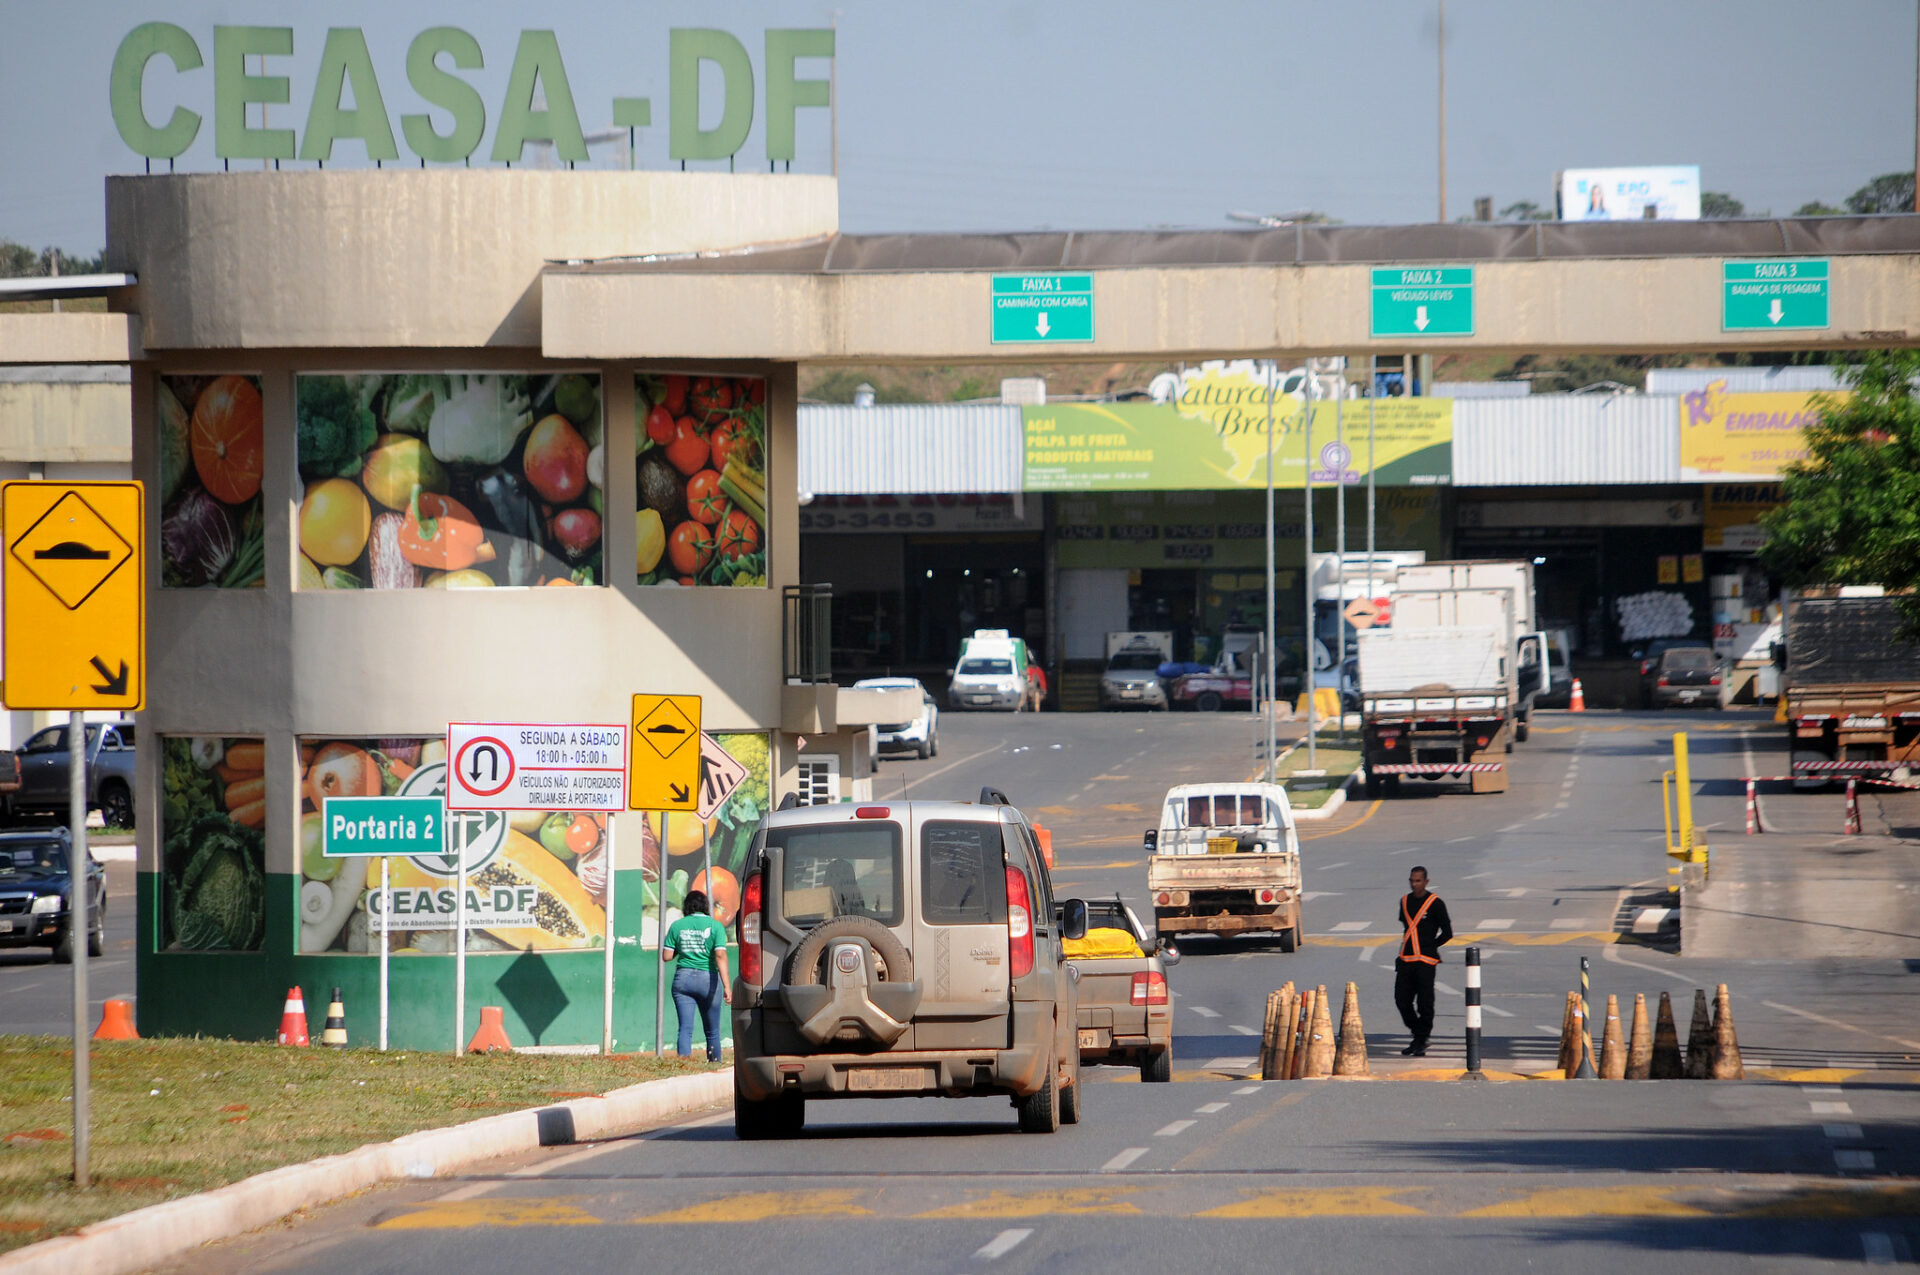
{"points": [[1223, 1172], [36, 995]]}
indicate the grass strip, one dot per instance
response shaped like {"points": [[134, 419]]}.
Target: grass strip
{"points": [[1336, 761], [172, 1117]]}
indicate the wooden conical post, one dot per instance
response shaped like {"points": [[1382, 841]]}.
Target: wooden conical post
{"points": [[1725, 1063], [1700, 1039], [1666, 1063], [1320, 1049], [1613, 1052], [1350, 1058], [1640, 1047]]}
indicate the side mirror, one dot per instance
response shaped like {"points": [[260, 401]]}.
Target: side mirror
{"points": [[1151, 841], [1169, 954], [1073, 919]]}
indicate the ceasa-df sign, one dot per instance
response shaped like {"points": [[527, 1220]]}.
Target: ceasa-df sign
{"points": [[243, 77]]}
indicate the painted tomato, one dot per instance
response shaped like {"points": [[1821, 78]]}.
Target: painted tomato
{"points": [[660, 425], [740, 536], [690, 548], [705, 501], [730, 439], [688, 452], [756, 392], [676, 396], [710, 398]]}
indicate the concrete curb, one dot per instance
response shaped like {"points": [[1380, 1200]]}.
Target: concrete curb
{"points": [[146, 1237]]}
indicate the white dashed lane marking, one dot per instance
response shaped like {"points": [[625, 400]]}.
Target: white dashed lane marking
{"points": [[1204, 1012], [1002, 1244], [1351, 927], [1243, 1090], [1842, 1132], [1831, 1108], [1210, 1109], [1175, 1129], [1853, 1161], [1496, 923], [1244, 1031], [1122, 1160]]}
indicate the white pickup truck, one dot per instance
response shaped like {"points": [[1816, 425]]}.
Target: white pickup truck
{"points": [[1226, 860]]}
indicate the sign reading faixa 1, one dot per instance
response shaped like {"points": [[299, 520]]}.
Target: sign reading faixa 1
{"points": [[243, 76]]}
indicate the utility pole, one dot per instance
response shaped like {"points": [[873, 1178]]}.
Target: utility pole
{"points": [[1443, 112]]}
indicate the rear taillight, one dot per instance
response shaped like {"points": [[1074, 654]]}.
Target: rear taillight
{"points": [[1019, 924], [1646, 667], [1389, 741], [1149, 988], [1266, 896], [1163, 898], [1662, 681], [1480, 741], [750, 930], [871, 812], [1713, 681]]}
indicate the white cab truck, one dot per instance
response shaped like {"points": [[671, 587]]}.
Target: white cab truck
{"points": [[1132, 676], [1439, 690], [1515, 577], [1226, 860]]}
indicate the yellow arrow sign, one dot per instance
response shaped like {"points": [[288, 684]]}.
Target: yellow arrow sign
{"points": [[75, 630], [665, 772]]}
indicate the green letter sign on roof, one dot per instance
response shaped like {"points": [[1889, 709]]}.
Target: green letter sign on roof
{"points": [[144, 43]]}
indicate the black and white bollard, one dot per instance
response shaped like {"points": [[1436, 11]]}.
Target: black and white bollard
{"points": [[1473, 1009], [1585, 1071]]}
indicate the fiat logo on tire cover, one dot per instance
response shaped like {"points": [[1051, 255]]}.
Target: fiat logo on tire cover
{"points": [[846, 957]]}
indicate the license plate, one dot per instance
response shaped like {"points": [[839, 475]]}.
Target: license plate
{"points": [[883, 1079], [1130, 693], [1689, 695], [6, 927], [983, 699], [1090, 1038]]}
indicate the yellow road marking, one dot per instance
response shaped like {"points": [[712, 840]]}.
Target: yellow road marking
{"points": [[1117, 779], [1333, 1201], [1123, 808], [1039, 1204], [460, 1215], [763, 1206], [1594, 1201], [1806, 1075], [1371, 811], [1053, 810], [1095, 867]]}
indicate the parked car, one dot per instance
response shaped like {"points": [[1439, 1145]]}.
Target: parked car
{"points": [[897, 950], [43, 773], [992, 672], [1689, 675], [36, 892], [1126, 1008], [1649, 653], [921, 736], [1132, 679]]}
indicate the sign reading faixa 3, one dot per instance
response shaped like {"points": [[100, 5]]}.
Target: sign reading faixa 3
{"points": [[245, 73]]}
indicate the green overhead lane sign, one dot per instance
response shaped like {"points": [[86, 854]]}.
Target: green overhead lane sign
{"points": [[1045, 308], [1760, 296], [1422, 301]]}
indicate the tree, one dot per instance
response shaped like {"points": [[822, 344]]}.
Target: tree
{"points": [[17, 261], [1817, 208], [1717, 205], [1525, 210], [1852, 508], [1887, 193]]}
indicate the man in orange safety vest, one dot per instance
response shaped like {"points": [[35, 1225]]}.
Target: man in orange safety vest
{"points": [[1427, 928]]}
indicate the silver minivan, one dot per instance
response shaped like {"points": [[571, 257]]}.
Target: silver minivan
{"points": [[903, 949]]}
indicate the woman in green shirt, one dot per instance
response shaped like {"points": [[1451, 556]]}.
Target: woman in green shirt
{"points": [[697, 944]]}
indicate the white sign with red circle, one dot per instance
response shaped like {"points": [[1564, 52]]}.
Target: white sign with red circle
{"points": [[536, 766]]}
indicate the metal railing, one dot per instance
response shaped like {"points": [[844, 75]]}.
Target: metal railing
{"points": [[806, 644]]}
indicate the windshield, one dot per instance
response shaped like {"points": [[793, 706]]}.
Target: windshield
{"points": [[1226, 810], [834, 871], [986, 668], [1689, 658], [1134, 662], [32, 856]]}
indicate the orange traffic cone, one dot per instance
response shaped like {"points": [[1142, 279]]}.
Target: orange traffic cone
{"points": [[293, 1020], [492, 1036], [1578, 702], [116, 1022]]}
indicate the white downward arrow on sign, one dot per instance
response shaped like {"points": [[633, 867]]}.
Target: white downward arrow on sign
{"points": [[1043, 322], [1420, 317], [1774, 312]]}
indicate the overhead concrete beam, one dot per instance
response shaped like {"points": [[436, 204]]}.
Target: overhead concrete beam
{"points": [[69, 338], [1638, 305]]}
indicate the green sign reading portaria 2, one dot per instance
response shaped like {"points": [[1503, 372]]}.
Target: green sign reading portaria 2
{"points": [[245, 74]]}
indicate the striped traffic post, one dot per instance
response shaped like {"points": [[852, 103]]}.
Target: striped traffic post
{"points": [[1473, 1009], [1585, 1071]]}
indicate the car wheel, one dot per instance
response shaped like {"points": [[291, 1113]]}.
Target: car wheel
{"points": [[1158, 1068], [933, 746], [97, 930], [781, 1117], [1374, 786], [926, 749], [116, 806], [1040, 1110], [1070, 1096], [1290, 939], [1209, 702], [1521, 731], [63, 947]]}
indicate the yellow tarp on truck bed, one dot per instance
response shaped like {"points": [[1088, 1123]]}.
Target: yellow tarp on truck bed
{"points": [[1103, 945]]}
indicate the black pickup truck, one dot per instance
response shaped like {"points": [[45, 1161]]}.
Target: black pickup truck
{"points": [[36, 892], [42, 764]]}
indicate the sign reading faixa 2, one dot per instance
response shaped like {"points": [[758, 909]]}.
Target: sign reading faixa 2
{"points": [[242, 77]]}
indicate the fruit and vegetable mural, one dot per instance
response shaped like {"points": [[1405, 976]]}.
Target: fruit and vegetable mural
{"points": [[700, 444], [449, 480], [536, 880], [212, 445], [212, 852], [688, 841]]}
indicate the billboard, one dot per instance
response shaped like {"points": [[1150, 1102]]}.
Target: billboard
{"points": [[1213, 437], [1743, 437], [1629, 194]]}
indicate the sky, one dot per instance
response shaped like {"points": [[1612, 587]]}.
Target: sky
{"points": [[1001, 115]]}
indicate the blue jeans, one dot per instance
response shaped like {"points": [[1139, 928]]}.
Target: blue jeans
{"points": [[698, 991]]}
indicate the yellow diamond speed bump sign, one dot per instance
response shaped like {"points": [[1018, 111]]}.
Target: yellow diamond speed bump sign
{"points": [[75, 627], [665, 753]]}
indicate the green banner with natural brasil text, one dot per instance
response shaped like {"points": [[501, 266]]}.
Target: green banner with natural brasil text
{"points": [[1221, 443]]}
